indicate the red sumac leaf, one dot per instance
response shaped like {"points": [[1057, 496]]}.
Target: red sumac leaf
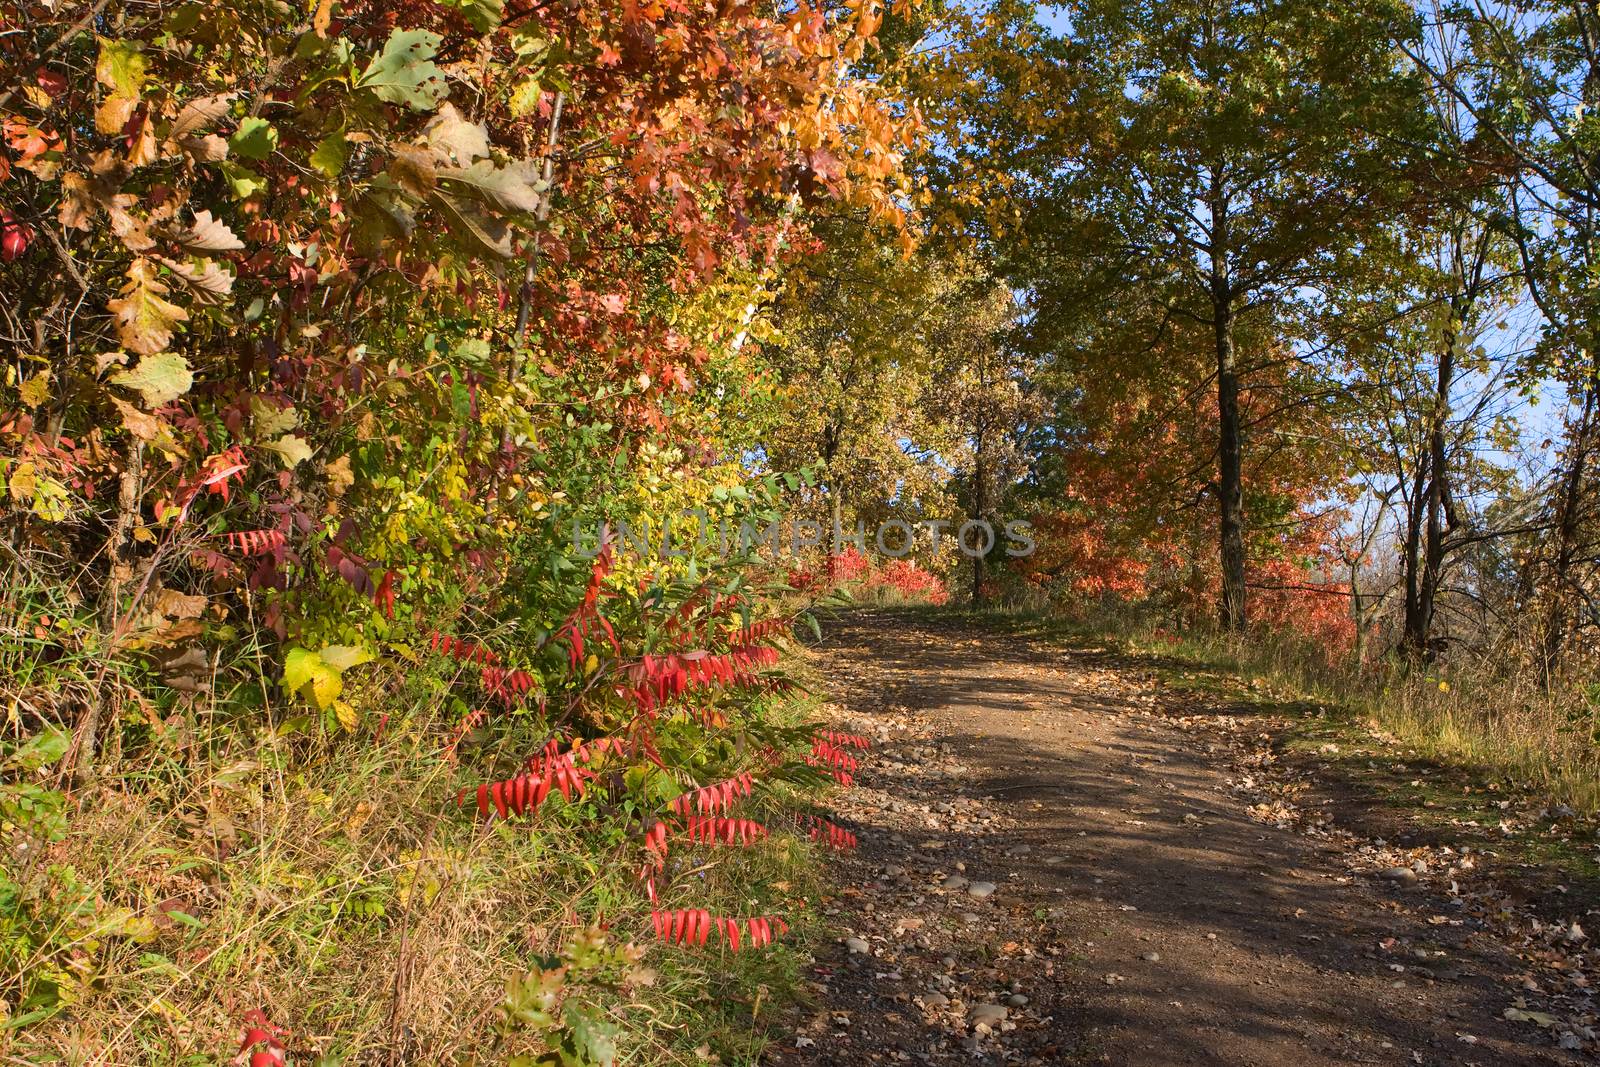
{"points": [[835, 737], [256, 542], [458, 648], [719, 796], [694, 926]]}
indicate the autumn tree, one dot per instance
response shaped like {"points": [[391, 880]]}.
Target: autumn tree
{"points": [[983, 394], [1215, 157]]}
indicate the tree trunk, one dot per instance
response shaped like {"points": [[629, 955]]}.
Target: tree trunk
{"points": [[87, 739], [1360, 649], [1230, 458], [979, 506], [836, 506], [1425, 562], [1569, 506], [1231, 488], [1230, 482]]}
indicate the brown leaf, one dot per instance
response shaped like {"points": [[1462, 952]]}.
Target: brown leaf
{"points": [[199, 115], [143, 150], [208, 234], [133, 231], [114, 112], [491, 235], [77, 203], [340, 477], [85, 195], [207, 149], [178, 605], [412, 169], [209, 283], [456, 140], [145, 319], [146, 428]]}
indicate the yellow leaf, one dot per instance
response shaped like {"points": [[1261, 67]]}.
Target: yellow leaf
{"points": [[291, 449], [342, 657], [35, 390], [121, 69], [346, 714], [23, 482]]}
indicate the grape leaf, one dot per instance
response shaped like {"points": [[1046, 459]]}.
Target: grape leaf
{"points": [[160, 378], [404, 72], [121, 69], [256, 138], [330, 155]]}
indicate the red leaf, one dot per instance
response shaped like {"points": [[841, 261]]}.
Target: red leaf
{"points": [[256, 542], [466, 651], [719, 796], [262, 1041], [693, 926], [383, 596]]}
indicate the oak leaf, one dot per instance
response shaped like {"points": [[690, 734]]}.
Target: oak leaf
{"points": [[514, 187], [199, 115], [207, 234], [206, 281], [146, 321]]}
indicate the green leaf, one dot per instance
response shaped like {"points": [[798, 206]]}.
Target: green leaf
{"points": [[484, 15], [159, 379], [473, 351], [404, 72], [242, 181], [256, 138], [593, 1040], [330, 155], [41, 750]]}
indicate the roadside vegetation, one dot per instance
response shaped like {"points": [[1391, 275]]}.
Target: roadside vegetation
{"points": [[345, 347]]}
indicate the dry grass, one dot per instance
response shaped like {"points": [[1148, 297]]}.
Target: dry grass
{"points": [[1470, 712], [331, 881]]}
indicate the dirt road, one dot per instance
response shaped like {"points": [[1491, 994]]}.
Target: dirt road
{"points": [[1063, 863]]}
